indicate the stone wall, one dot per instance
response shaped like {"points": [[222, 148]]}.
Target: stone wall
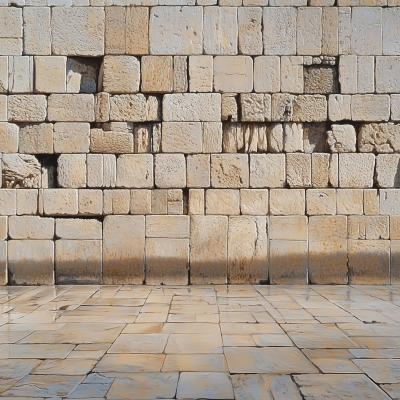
{"points": [[175, 141]]}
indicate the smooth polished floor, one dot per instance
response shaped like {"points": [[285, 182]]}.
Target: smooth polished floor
{"points": [[200, 342]]}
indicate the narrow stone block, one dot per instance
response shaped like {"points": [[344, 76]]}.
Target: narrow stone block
{"points": [[3, 263], [212, 137], [3, 227], [201, 73], [309, 31], [37, 32], [115, 31], [20, 70], [394, 262], [180, 74], [102, 107], [137, 30], [267, 74], [249, 27], [391, 30], [198, 171], [159, 201], [298, 170], [371, 202], [196, 202]]}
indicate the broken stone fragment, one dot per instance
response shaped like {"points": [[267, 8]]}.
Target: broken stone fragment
{"points": [[21, 171], [342, 139], [379, 138]]}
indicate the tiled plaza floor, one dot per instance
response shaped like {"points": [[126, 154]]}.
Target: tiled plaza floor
{"points": [[200, 342]]}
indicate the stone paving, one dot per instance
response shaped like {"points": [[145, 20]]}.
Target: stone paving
{"points": [[200, 342]]}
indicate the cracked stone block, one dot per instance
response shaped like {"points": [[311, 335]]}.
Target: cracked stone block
{"points": [[293, 137], [342, 139], [71, 170], [135, 171], [170, 171], [320, 80], [21, 171], [356, 170], [233, 74], [229, 171], [222, 202], [282, 107], [324, 170], [298, 170], [247, 249], [142, 138], [368, 227], [339, 107], [27, 108], [379, 138], [349, 201], [287, 202], [321, 201], [314, 137], [182, 137], [102, 107], [267, 170], [30, 227], [387, 170], [157, 74]]}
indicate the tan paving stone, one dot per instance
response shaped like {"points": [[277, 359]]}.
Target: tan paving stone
{"points": [[194, 344], [131, 363], [194, 363], [272, 340], [143, 328], [191, 328], [41, 351], [238, 341], [240, 328], [381, 371], [140, 343]]}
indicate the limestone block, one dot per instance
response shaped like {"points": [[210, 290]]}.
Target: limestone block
{"points": [[222, 202], [82, 75], [386, 173], [212, 137], [394, 262], [379, 138], [387, 74], [288, 228], [267, 74], [371, 202], [71, 108], [182, 137], [121, 74], [90, 202], [394, 227], [389, 202], [254, 201], [262, 145], [252, 138], [176, 30], [170, 170], [330, 30], [310, 108], [288, 262], [275, 138], [71, 137], [233, 74], [339, 107], [293, 137], [71, 170], [102, 107], [287, 202], [157, 75], [30, 227], [36, 139], [109, 170], [220, 30], [229, 107], [230, 134], [267, 170], [20, 171], [126, 127], [135, 171], [50, 74], [342, 139], [167, 261], [391, 31], [369, 262], [27, 108], [321, 201], [175, 202], [8, 202], [78, 229], [365, 74], [298, 170], [78, 261], [249, 27], [192, 107], [309, 31], [31, 262], [168, 226], [229, 171], [20, 69], [3, 74], [11, 22], [27, 202], [137, 30], [110, 142], [394, 107], [320, 79], [115, 31], [142, 138], [123, 249], [255, 107], [3, 228], [198, 171], [180, 74], [78, 31], [279, 34], [247, 249], [60, 202], [196, 202], [324, 170], [350, 201], [116, 201], [159, 201], [200, 73], [348, 74], [94, 166], [356, 170], [140, 202], [208, 249], [368, 227], [156, 138], [366, 31], [282, 107], [11, 47]]}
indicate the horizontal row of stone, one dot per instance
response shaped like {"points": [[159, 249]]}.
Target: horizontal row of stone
{"points": [[169, 250], [95, 31]]}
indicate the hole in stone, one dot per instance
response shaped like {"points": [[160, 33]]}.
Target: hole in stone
{"points": [[82, 74]]}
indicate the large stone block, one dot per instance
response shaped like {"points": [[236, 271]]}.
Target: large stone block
{"points": [[110, 142], [71, 108], [298, 170], [176, 30], [27, 108], [168, 226], [71, 137], [342, 139], [386, 173], [170, 170], [330, 30], [394, 107], [322, 80], [198, 171], [137, 30], [8, 202], [78, 229], [255, 107], [254, 201], [387, 73], [51, 74], [350, 201], [222, 202], [247, 249], [123, 249], [78, 31], [30, 227], [267, 74], [157, 74], [229, 171], [60, 202], [321, 201], [27, 202], [379, 138], [250, 37], [71, 170], [287, 202], [366, 74], [370, 107], [391, 31], [356, 170], [9, 134], [90, 202], [339, 107], [288, 227], [182, 137], [310, 108], [135, 171], [78, 261], [368, 227], [233, 74], [208, 249], [31, 262], [11, 22], [36, 139], [309, 31]]}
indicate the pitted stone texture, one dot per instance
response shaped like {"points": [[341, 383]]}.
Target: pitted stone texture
{"points": [[182, 137], [370, 107], [180, 74], [71, 170], [71, 137], [128, 108], [233, 74], [379, 138], [21, 171], [27, 108], [310, 108], [293, 137], [298, 170], [71, 108], [267, 170], [342, 139], [110, 142], [371, 202], [137, 30], [157, 74], [170, 171], [50, 74], [36, 139], [255, 107], [282, 107], [222, 202], [324, 170], [250, 37], [387, 167], [320, 80], [229, 171], [314, 137], [356, 170], [339, 107], [287, 202]]}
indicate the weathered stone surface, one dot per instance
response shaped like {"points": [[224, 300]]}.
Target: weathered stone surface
{"points": [[198, 171], [20, 171], [267, 170], [90, 202], [157, 75], [371, 202], [27, 202], [78, 229], [60, 201], [135, 171], [50, 74], [196, 202], [348, 74], [110, 142], [321, 201], [250, 37], [314, 137], [365, 74], [170, 170], [137, 30], [27, 108], [36, 139], [293, 137], [175, 202], [370, 107], [275, 138], [71, 170], [288, 228], [356, 170], [71, 108], [182, 137], [3, 227], [255, 107], [212, 137], [309, 31], [37, 32], [349, 201], [267, 74], [320, 80], [287, 202], [8, 202], [116, 201], [159, 201], [233, 74], [342, 139], [282, 107], [30, 227], [389, 203], [222, 202], [201, 73], [102, 107], [123, 249], [324, 170], [71, 137], [168, 226], [20, 69], [115, 31], [140, 202], [387, 71], [180, 74], [339, 107], [298, 170], [379, 138], [386, 172], [368, 227], [208, 249], [229, 107], [309, 108], [254, 201], [229, 171], [82, 75], [128, 108]]}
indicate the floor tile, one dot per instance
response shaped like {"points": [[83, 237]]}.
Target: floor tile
{"points": [[130, 363], [139, 343], [149, 327], [41, 351], [238, 340], [194, 363], [239, 328], [191, 328], [182, 343], [380, 371], [90, 391], [272, 340], [64, 367]]}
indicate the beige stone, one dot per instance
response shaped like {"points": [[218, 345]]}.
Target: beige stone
{"points": [[71, 170], [282, 107], [20, 171], [123, 249], [128, 108], [157, 75], [324, 170], [348, 74], [371, 202], [229, 171], [212, 137], [110, 142], [175, 202], [159, 201], [230, 134], [288, 228], [115, 31], [298, 170], [170, 170], [229, 107], [314, 137], [60, 202], [27, 202], [198, 171], [180, 74], [255, 107], [71, 108], [182, 137], [8, 204], [320, 80], [386, 170], [11, 46], [27, 108], [247, 249], [394, 106], [3, 227], [208, 249], [37, 32], [249, 28], [379, 138], [287, 201], [254, 201], [368, 227], [365, 74], [50, 74], [309, 31], [196, 202], [233, 74], [3, 108], [310, 108], [330, 34], [356, 170], [394, 227], [78, 229], [370, 107], [275, 138], [292, 79], [339, 107], [349, 201], [126, 127], [102, 107], [200, 73], [137, 30], [168, 226], [135, 171], [386, 74], [140, 202], [116, 201], [293, 137], [267, 170], [321, 201], [222, 202], [4, 74], [267, 74], [342, 139], [20, 70], [90, 202], [30, 227], [389, 202], [71, 137], [36, 139]]}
